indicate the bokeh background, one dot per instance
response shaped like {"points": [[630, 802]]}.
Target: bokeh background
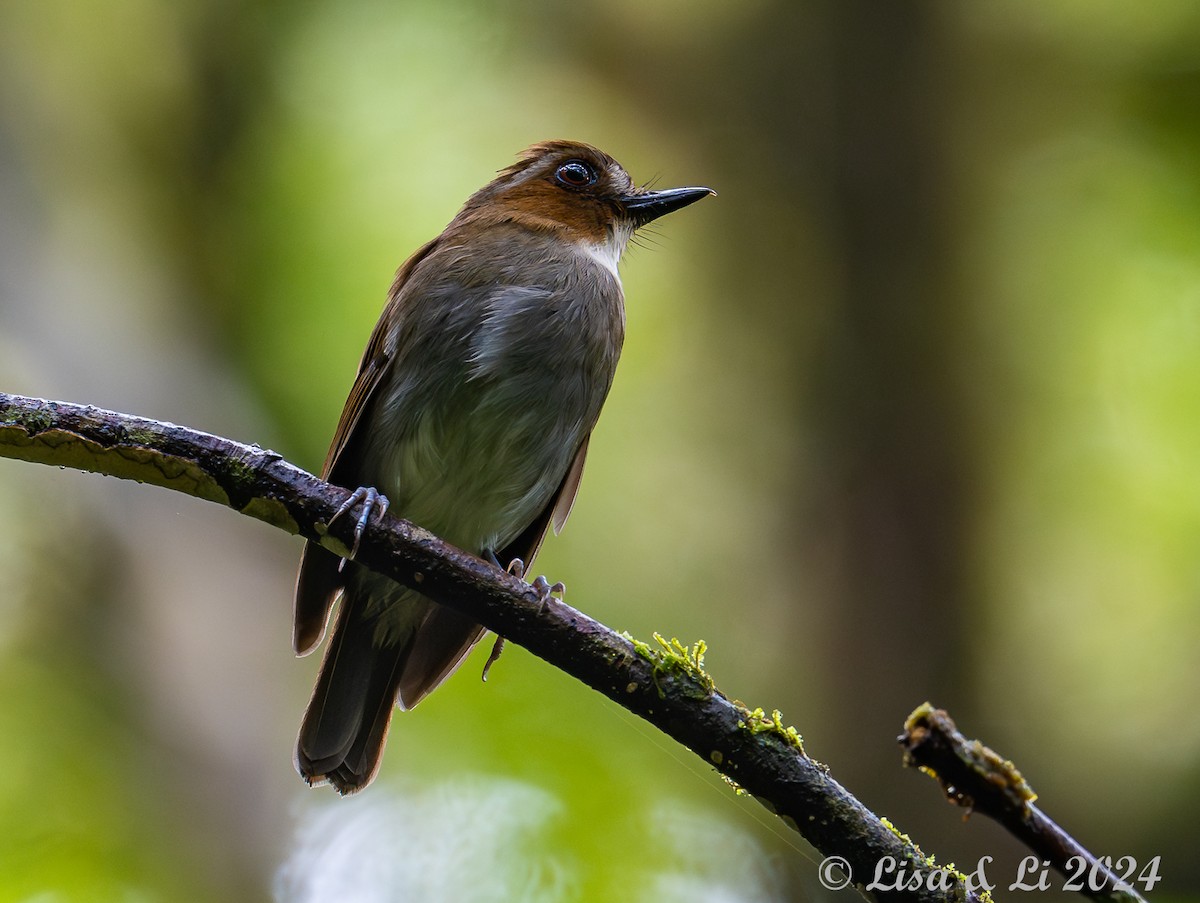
{"points": [[910, 411]]}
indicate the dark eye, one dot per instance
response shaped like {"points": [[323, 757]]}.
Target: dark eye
{"points": [[575, 174]]}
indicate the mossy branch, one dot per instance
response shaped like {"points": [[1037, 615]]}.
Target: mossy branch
{"points": [[664, 684], [980, 780]]}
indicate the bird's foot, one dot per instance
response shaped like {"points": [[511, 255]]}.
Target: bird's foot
{"points": [[371, 500], [545, 590]]}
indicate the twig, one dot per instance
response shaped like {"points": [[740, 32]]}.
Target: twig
{"points": [[976, 778], [667, 686]]}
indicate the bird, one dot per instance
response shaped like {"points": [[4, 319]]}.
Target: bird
{"points": [[470, 416]]}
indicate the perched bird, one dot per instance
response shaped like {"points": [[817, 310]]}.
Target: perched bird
{"points": [[471, 412]]}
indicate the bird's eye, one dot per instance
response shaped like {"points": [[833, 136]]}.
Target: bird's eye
{"points": [[575, 174]]}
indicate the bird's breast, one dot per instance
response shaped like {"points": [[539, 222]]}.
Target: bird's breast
{"points": [[494, 385]]}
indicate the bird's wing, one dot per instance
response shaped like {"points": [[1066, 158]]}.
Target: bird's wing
{"points": [[554, 514], [565, 500], [376, 361], [320, 579]]}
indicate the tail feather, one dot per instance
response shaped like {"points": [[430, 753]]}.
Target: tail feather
{"points": [[366, 671], [346, 722], [361, 761]]}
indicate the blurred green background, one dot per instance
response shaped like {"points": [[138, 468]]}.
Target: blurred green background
{"points": [[911, 411]]}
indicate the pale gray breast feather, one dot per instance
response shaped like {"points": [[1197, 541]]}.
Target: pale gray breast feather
{"points": [[513, 316], [542, 338]]}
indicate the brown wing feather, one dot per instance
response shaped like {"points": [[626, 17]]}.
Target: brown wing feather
{"points": [[376, 361], [570, 488], [317, 583], [439, 646], [527, 545], [319, 579]]}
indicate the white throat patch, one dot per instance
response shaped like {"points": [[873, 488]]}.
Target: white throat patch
{"points": [[608, 253]]}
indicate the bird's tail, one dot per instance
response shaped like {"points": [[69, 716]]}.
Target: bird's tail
{"points": [[346, 722], [368, 668]]}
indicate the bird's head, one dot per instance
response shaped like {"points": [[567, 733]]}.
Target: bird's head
{"points": [[575, 190]]}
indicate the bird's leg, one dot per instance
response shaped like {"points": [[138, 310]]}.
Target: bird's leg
{"points": [[516, 567], [371, 499]]}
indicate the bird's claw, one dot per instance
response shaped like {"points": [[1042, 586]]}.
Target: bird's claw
{"points": [[545, 590], [371, 499], [497, 648]]}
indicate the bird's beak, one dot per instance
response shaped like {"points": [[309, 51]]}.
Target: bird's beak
{"points": [[646, 206]]}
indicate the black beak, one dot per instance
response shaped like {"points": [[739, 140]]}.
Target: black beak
{"points": [[650, 205]]}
